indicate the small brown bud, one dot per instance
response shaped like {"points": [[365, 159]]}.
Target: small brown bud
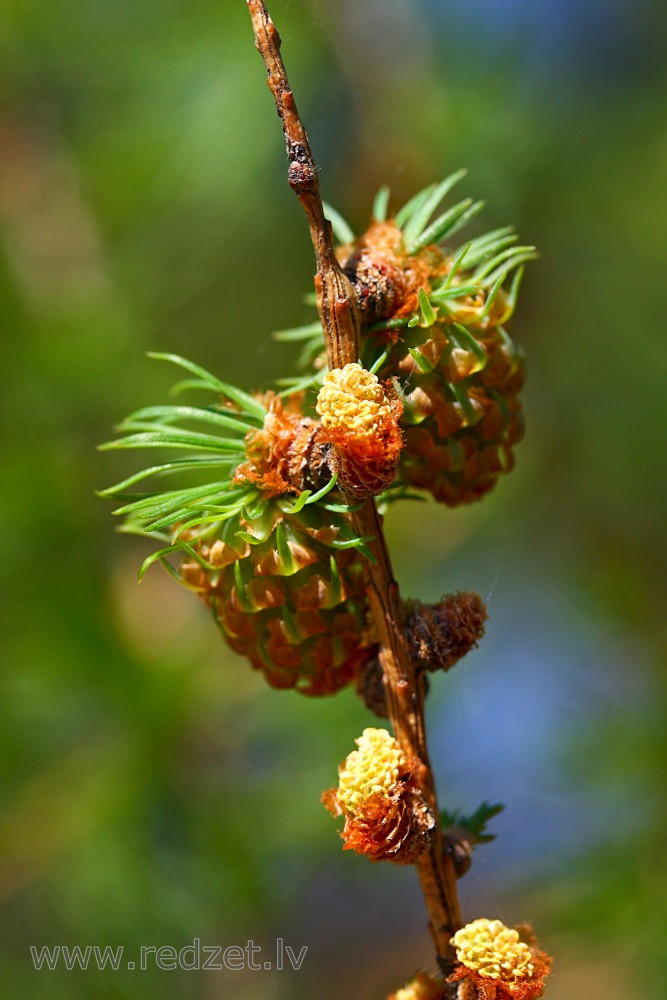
{"points": [[371, 689], [288, 454], [379, 282], [441, 634], [457, 845]]}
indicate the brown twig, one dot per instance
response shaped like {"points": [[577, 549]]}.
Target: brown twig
{"points": [[340, 320], [335, 295]]}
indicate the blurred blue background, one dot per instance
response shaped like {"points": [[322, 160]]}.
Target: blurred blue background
{"points": [[153, 789]]}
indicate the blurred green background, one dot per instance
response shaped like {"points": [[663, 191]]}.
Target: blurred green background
{"points": [[153, 789]]}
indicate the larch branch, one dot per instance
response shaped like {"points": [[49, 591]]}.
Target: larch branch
{"points": [[340, 319]]}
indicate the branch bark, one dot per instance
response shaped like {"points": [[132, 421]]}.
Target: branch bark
{"points": [[339, 315]]}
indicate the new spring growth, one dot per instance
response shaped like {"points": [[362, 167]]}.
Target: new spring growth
{"points": [[493, 950], [498, 961], [374, 769], [386, 816], [360, 418], [421, 987], [352, 399]]}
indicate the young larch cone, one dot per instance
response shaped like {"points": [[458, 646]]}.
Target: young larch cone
{"points": [[289, 603], [360, 417], [441, 634], [462, 422], [461, 372], [260, 542], [421, 987], [498, 962], [386, 815], [434, 319]]}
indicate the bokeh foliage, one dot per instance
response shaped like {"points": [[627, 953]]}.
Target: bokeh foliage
{"points": [[153, 789]]}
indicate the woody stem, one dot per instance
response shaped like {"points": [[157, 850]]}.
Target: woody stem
{"points": [[339, 314]]}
